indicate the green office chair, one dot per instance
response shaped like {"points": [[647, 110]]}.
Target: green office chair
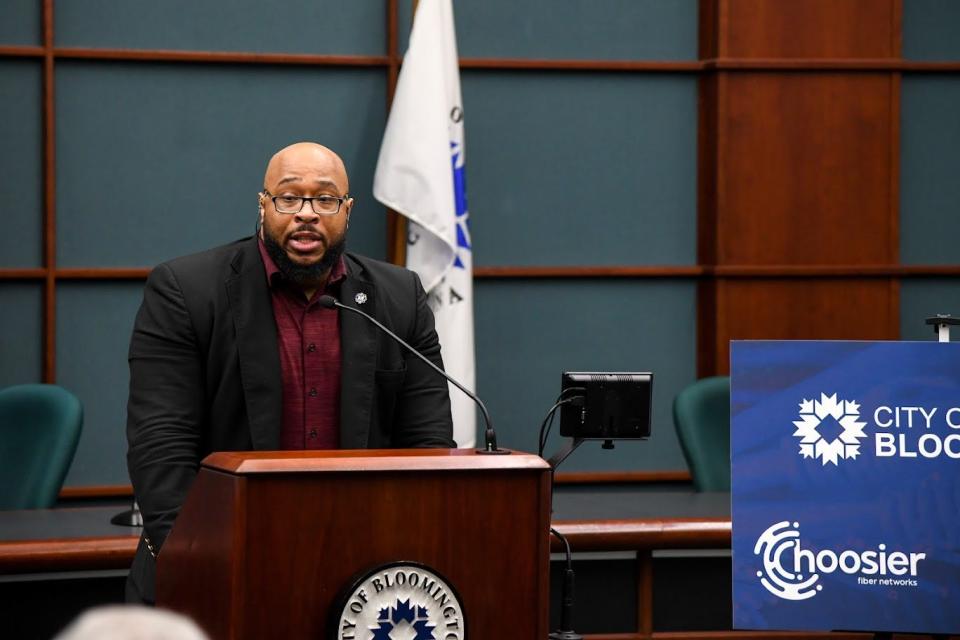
{"points": [[701, 415], [40, 426]]}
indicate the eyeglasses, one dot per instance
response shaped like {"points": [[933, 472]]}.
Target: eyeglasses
{"points": [[324, 205]]}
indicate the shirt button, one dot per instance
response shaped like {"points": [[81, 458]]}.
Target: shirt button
{"points": [[313, 392], [313, 433], [311, 348]]}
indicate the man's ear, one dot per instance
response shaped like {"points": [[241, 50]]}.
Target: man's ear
{"points": [[259, 224]]}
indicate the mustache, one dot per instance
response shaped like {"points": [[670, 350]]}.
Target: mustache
{"points": [[305, 228]]}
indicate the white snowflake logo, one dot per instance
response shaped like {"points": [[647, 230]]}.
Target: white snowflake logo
{"points": [[815, 415]]}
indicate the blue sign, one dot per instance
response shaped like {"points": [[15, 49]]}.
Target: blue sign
{"points": [[845, 460]]}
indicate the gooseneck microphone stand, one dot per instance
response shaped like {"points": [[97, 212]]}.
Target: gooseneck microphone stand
{"points": [[490, 436]]}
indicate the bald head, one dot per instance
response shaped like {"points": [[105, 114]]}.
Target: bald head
{"points": [[306, 165], [305, 242]]}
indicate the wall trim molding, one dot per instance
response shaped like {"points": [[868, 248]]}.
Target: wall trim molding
{"points": [[573, 272], [96, 492], [393, 60], [622, 477]]}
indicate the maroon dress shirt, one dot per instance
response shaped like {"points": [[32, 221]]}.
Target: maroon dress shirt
{"points": [[308, 338]]}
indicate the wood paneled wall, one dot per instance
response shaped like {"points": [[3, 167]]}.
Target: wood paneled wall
{"points": [[799, 172]]}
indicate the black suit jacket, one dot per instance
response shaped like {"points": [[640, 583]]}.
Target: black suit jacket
{"points": [[205, 375]]}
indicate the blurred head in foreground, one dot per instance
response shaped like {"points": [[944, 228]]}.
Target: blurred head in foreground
{"points": [[131, 623]]}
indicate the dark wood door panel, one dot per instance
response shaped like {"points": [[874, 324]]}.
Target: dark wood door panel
{"points": [[806, 169], [803, 309], [809, 28]]}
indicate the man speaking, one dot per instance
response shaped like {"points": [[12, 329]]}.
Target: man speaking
{"points": [[231, 351]]}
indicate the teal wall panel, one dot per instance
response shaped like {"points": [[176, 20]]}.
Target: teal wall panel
{"points": [[287, 26], [579, 29], [155, 161], [529, 332], [21, 163], [20, 22], [929, 162], [21, 340], [94, 321], [581, 169], [930, 29], [921, 299]]}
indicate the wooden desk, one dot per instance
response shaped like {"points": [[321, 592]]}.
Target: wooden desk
{"points": [[75, 539], [628, 518], [592, 518]]}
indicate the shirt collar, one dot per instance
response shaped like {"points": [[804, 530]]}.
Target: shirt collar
{"points": [[275, 277]]}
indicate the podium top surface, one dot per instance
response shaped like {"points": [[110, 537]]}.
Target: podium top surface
{"points": [[351, 460]]}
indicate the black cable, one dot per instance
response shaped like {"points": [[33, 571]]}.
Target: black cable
{"points": [[566, 631], [544, 428], [569, 389], [566, 543]]}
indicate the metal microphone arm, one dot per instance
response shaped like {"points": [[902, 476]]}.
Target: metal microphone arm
{"points": [[490, 436]]}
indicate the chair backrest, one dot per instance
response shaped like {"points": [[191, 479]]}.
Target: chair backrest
{"points": [[40, 426], [701, 415]]}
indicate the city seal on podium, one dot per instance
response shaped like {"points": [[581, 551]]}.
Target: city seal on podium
{"points": [[399, 601]]}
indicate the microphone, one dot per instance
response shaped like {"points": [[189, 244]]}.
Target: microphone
{"points": [[490, 436]]}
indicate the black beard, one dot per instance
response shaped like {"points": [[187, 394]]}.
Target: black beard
{"points": [[304, 274]]}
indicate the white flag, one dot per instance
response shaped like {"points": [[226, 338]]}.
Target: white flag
{"points": [[420, 174]]}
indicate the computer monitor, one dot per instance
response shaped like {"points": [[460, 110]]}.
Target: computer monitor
{"points": [[615, 405]]}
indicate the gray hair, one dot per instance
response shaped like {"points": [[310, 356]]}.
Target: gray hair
{"points": [[131, 622]]}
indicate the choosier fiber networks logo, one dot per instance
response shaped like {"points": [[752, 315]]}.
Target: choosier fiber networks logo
{"points": [[792, 573], [829, 429]]}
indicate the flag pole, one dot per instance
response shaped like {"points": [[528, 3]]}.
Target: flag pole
{"points": [[397, 224]]}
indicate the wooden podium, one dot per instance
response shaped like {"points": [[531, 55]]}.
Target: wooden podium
{"points": [[267, 543]]}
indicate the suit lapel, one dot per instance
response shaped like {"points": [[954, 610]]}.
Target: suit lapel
{"points": [[358, 359], [252, 310]]}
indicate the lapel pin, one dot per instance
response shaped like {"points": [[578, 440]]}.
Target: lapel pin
{"points": [[360, 298]]}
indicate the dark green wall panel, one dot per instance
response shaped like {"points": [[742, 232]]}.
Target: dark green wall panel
{"points": [[580, 29], [288, 26], [930, 29], [921, 299], [21, 341], [21, 163], [20, 22], [930, 158], [529, 332], [94, 321], [155, 161], [581, 169]]}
